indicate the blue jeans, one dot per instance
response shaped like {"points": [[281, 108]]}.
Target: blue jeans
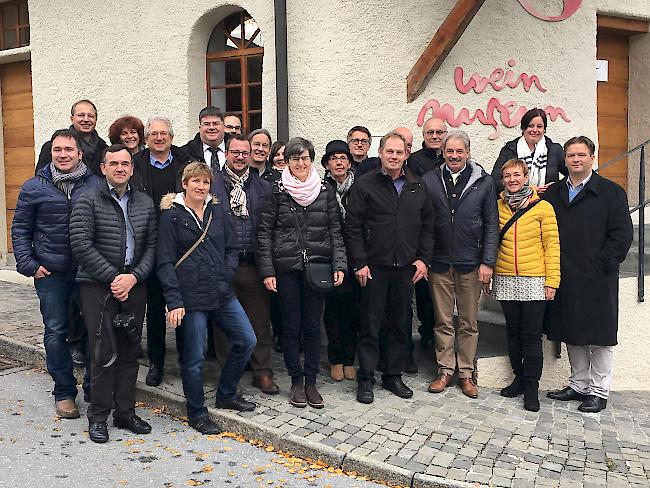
{"points": [[192, 334], [55, 292]]}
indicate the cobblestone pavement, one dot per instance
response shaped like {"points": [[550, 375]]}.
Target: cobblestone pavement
{"points": [[491, 441]]}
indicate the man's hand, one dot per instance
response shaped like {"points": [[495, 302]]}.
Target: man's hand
{"points": [[363, 275], [420, 270], [549, 293], [175, 317], [271, 284], [338, 277], [542, 188], [41, 272], [121, 286], [484, 273]]}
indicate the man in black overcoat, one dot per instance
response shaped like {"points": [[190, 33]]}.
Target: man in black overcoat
{"points": [[595, 234]]}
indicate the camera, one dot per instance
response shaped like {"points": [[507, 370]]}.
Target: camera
{"points": [[126, 321]]}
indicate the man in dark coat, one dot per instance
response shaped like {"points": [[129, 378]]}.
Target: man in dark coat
{"points": [[466, 242], [359, 141], [113, 237], [157, 171], [430, 156], [41, 241], [83, 116], [595, 234], [388, 231], [208, 145], [243, 193]]}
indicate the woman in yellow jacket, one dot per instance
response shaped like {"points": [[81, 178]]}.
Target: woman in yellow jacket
{"points": [[526, 275]]}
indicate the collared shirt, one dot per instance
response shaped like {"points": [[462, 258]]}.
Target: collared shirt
{"points": [[158, 164], [398, 182], [221, 154], [455, 176], [574, 190], [123, 202]]}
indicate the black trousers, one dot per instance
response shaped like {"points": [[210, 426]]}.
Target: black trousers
{"points": [[525, 322], [156, 326], [114, 385], [392, 288], [424, 309], [342, 321]]}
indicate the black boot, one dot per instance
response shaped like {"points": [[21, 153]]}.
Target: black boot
{"points": [[531, 396], [514, 389]]}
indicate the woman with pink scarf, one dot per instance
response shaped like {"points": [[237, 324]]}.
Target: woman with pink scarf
{"points": [[300, 222]]}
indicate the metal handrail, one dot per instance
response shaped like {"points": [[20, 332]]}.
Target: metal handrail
{"points": [[639, 208]]}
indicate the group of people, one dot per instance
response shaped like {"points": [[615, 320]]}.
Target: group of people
{"points": [[234, 240]]}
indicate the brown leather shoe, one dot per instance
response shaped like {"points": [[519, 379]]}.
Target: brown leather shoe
{"points": [[469, 387], [266, 384], [349, 372], [440, 383], [336, 372], [66, 409]]}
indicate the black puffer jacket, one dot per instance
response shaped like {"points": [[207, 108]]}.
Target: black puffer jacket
{"points": [[98, 235], [202, 281], [425, 160], [280, 240], [470, 236], [383, 228], [555, 163]]}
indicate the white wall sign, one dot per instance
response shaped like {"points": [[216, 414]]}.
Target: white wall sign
{"points": [[602, 70]]}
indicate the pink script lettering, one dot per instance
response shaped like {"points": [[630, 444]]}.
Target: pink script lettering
{"points": [[498, 80], [570, 7]]}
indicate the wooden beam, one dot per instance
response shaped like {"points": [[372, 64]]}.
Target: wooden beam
{"points": [[442, 43], [623, 26]]}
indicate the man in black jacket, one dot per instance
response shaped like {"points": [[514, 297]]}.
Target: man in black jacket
{"points": [[466, 242], [430, 156], [389, 227], [243, 193], [157, 171], [83, 116], [113, 237], [208, 144]]}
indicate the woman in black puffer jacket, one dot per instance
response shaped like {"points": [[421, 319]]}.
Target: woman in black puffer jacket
{"points": [[300, 219]]}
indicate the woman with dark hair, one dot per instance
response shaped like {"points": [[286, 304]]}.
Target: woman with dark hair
{"points": [[276, 162], [544, 158], [300, 224], [128, 131], [527, 274]]}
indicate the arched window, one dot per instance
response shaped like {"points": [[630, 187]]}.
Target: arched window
{"points": [[234, 68]]}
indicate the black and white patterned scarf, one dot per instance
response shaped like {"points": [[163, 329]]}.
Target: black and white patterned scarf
{"points": [[535, 160], [237, 193], [66, 181], [517, 200], [342, 189]]}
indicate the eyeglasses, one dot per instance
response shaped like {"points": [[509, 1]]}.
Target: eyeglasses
{"points": [[232, 127], [435, 132], [363, 142], [210, 124], [156, 135], [297, 159], [261, 144], [343, 158], [236, 153]]}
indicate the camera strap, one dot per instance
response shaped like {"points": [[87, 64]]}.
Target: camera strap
{"points": [[111, 336], [196, 244]]}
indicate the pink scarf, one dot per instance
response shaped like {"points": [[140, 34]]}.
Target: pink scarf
{"points": [[303, 192]]}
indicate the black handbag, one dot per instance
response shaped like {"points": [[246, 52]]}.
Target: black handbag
{"points": [[317, 275]]}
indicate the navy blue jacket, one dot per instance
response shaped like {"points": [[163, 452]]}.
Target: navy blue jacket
{"points": [[257, 191], [40, 232], [468, 236], [202, 281]]}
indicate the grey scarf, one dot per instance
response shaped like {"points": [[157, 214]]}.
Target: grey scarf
{"points": [[237, 193], [517, 200], [66, 181], [342, 189]]}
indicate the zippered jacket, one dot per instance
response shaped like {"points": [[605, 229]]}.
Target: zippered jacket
{"points": [[98, 235], [40, 231], [469, 235], [531, 246]]}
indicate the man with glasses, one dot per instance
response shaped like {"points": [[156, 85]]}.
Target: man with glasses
{"points": [[208, 144], [113, 238], [260, 140], [359, 140], [157, 171], [245, 193], [232, 124], [430, 156]]}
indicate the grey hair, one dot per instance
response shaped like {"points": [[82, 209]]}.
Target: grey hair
{"points": [[158, 118], [456, 134], [390, 135], [260, 131], [296, 146]]}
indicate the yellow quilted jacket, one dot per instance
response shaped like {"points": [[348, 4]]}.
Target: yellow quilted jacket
{"points": [[531, 246]]}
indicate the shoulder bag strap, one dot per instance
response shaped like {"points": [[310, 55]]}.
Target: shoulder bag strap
{"points": [[514, 219], [196, 244]]}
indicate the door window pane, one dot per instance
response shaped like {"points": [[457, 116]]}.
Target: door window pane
{"points": [[255, 97], [225, 72], [254, 68], [254, 121]]}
